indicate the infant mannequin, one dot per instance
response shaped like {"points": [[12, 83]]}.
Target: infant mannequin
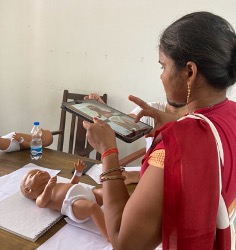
{"points": [[17, 141], [72, 199]]}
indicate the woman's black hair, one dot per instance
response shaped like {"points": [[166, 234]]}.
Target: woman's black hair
{"points": [[207, 40]]}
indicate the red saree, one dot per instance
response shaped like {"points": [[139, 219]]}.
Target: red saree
{"points": [[191, 179]]}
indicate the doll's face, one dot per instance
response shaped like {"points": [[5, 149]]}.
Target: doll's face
{"points": [[34, 183]]}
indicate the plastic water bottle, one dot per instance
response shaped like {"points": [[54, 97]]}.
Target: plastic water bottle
{"points": [[36, 143]]}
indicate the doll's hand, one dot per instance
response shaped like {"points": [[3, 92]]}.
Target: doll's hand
{"points": [[52, 182], [16, 137], [79, 166]]}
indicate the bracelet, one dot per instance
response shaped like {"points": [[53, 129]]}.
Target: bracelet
{"points": [[21, 140], [110, 151], [77, 173], [112, 177], [112, 170]]}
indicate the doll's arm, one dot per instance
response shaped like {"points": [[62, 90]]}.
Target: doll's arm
{"points": [[45, 197], [22, 139], [79, 167]]}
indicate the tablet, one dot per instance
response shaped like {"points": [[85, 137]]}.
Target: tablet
{"points": [[123, 125]]}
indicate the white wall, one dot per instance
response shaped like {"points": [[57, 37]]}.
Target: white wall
{"points": [[83, 46]]}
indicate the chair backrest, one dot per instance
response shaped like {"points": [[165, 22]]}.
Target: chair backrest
{"points": [[77, 134]]}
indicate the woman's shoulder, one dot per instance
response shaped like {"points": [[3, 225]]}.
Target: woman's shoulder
{"points": [[188, 124], [187, 133]]}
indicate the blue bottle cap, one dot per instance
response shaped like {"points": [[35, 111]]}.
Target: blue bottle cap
{"points": [[36, 123]]}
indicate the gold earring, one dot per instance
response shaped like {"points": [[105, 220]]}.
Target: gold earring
{"points": [[188, 95]]}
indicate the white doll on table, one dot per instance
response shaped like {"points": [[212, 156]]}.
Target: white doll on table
{"points": [[17, 141]]}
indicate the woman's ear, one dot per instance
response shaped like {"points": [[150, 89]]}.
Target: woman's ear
{"points": [[191, 70]]}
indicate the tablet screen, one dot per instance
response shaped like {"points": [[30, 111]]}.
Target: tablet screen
{"points": [[124, 125]]}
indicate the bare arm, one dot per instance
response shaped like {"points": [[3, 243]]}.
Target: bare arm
{"points": [[79, 167], [45, 197], [132, 222], [135, 222]]}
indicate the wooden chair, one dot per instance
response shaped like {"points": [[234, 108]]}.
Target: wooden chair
{"points": [[77, 134]]}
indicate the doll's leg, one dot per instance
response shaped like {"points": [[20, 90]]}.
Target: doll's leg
{"points": [[4, 143], [83, 209], [98, 195], [47, 138]]}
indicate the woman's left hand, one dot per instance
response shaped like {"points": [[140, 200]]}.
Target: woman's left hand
{"points": [[100, 135], [94, 96]]}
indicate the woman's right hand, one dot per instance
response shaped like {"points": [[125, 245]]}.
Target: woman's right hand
{"points": [[100, 135], [160, 117], [94, 96]]}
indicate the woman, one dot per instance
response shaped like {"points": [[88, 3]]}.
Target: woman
{"points": [[170, 111], [184, 181]]}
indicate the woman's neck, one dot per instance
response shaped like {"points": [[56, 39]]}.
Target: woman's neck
{"points": [[206, 100]]}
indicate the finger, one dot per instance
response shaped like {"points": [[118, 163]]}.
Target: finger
{"points": [[86, 124], [99, 122], [91, 96], [144, 112], [151, 134], [138, 101], [80, 163], [139, 116], [95, 97]]}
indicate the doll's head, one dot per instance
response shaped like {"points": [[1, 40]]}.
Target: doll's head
{"points": [[33, 183]]}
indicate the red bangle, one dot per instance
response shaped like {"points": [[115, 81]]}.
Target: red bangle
{"points": [[110, 151]]}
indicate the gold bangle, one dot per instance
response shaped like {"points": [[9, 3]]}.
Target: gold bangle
{"points": [[112, 170], [112, 177]]}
